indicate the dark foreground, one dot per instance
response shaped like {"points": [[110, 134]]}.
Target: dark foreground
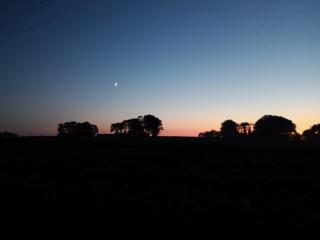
{"points": [[257, 188]]}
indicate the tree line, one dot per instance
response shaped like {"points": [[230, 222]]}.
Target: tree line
{"points": [[268, 126], [147, 125]]}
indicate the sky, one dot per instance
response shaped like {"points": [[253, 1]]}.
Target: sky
{"points": [[192, 63]]}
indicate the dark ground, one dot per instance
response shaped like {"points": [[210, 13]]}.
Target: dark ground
{"points": [[259, 188]]}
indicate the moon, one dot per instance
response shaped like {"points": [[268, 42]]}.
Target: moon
{"points": [[116, 84]]}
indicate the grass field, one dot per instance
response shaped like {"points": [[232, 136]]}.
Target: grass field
{"points": [[255, 186]]}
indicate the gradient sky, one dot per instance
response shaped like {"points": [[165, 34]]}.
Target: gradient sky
{"points": [[193, 64]]}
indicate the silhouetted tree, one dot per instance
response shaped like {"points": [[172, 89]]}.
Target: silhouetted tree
{"points": [[77, 129], [312, 134], [229, 129], [152, 125], [87, 129], [119, 128], [245, 128], [67, 129], [274, 126], [8, 135], [210, 134], [135, 126], [148, 125], [115, 128]]}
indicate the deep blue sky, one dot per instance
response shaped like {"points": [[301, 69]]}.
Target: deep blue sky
{"points": [[191, 63]]}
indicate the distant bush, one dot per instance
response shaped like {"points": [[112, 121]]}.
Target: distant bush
{"points": [[8, 135], [77, 129], [210, 134]]}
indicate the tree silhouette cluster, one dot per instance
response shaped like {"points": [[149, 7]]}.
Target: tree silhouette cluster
{"points": [[210, 134], [147, 125], [312, 133], [77, 129], [268, 126]]}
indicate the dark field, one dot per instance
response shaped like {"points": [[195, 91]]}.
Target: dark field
{"points": [[247, 187]]}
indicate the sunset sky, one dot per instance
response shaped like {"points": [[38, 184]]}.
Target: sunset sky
{"points": [[193, 63]]}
